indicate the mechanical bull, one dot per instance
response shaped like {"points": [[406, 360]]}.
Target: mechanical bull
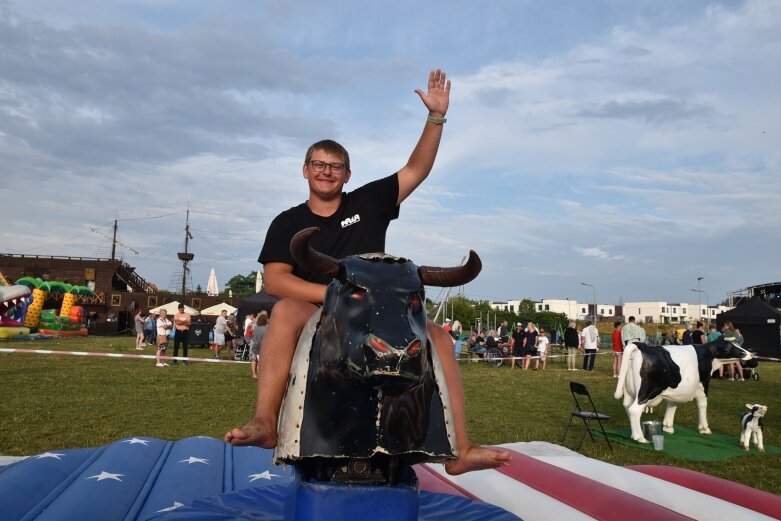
{"points": [[366, 396], [675, 374]]}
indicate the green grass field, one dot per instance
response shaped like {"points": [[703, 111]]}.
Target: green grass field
{"points": [[57, 401]]}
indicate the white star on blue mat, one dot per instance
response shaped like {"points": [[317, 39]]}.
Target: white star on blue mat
{"points": [[54, 455], [263, 475], [193, 459], [106, 475], [173, 507], [134, 441]]}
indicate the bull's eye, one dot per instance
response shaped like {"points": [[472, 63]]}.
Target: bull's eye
{"points": [[358, 293], [415, 303]]}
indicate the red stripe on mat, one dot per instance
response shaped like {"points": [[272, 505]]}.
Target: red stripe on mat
{"points": [[433, 481], [737, 493], [586, 495]]}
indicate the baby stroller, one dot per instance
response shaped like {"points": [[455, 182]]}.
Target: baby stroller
{"points": [[749, 369], [242, 349]]}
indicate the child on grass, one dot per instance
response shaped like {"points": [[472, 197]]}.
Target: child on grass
{"points": [[163, 325]]}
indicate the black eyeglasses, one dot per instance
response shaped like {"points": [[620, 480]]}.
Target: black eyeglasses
{"points": [[319, 166]]}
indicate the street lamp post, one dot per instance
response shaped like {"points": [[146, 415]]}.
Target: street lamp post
{"points": [[699, 300], [707, 303], [593, 289]]}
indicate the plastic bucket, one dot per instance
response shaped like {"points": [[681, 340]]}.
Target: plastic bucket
{"points": [[658, 440], [650, 428]]}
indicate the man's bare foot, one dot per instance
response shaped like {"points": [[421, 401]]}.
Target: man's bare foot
{"points": [[256, 432], [478, 458]]}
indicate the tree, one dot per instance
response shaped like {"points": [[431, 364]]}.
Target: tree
{"points": [[241, 285]]}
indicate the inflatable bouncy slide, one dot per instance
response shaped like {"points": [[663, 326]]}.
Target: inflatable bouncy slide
{"points": [[21, 308], [14, 301]]}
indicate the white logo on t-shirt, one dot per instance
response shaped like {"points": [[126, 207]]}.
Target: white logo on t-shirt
{"points": [[351, 220]]}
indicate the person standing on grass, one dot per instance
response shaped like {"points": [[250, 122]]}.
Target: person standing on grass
{"points": [[687, 335], [698, 335], [542, 349], [163, 326], [258, 333], [138, 320], [350, 223], [590, 342], [618, 348], [516, 345], [150, 329], [632, 332], [530, 346], [219, 333], [572, 343], [182, 323]]}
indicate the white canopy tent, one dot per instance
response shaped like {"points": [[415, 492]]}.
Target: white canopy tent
{"points": [[214, 311], [173, 307]]}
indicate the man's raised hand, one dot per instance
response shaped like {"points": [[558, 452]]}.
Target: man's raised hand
{"points": [[437, 98]]}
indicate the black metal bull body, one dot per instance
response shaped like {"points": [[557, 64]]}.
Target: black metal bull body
{"points": [[366, 392]]}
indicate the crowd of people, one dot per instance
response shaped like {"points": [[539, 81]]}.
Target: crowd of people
{"points": [[529, 343], [154, 329]]}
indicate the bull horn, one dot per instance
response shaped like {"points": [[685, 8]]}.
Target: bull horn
{"points": [[308, 257], [450, 277]]}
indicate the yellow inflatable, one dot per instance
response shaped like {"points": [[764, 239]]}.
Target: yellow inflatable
{"points": [[10, 332]]}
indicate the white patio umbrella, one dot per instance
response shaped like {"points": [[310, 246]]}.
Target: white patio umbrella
{"points": [[173, 307], [213, 311], [212, 288], [258, 282]]}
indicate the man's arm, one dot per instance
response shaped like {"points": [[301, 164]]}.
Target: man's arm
{"points": [[421, 161], [281, 282]]}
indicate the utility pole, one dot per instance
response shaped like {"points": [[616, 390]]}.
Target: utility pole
{"points": [[114, 242]]}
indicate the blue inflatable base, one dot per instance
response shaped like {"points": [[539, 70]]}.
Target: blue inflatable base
{"points": [[198, 478]]}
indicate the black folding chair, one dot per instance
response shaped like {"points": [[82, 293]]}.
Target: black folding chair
{"points": [[585, 414]]}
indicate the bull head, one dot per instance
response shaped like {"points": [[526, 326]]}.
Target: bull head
{"points": [[374, 321]]}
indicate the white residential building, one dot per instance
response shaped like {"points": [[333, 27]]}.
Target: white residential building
{"points": [[650, 312], [571, 308], [671, 312], [512, 306]]}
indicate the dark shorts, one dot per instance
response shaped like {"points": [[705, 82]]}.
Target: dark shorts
{"points": [[517, 350], [228, 337]]}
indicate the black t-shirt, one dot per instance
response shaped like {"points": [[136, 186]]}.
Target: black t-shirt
{"points": [[571, 338], [358, 226], [698, 337], [518, 337]]}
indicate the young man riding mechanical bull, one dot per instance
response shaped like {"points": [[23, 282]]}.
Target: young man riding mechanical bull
{"points": [[350, 223]]}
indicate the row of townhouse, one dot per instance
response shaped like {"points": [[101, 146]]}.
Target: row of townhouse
{"points": [[647, 312]]}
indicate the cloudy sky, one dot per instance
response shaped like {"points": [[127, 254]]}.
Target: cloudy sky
{"points": [[633, 146]]}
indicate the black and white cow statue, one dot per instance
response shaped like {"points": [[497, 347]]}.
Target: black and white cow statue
{"points": [[751, 425], [675, 374], [366, 393]]}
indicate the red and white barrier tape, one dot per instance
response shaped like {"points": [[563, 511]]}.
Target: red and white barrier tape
{"points": [[120, 355], [479, 357]]}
